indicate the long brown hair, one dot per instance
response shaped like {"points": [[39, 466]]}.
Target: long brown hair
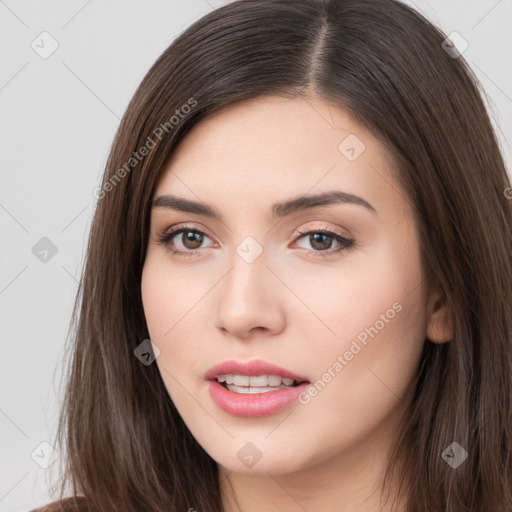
{"points": [[127, 447]]}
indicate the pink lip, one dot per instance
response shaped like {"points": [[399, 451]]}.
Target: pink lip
{"points": [[258, 404]]}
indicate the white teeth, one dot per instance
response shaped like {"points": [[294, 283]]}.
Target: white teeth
{"points": [[274, 380], [255, 381], [241, 380], [260, 381]]}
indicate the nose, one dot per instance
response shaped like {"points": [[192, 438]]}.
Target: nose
{"points": [[250, 300]]}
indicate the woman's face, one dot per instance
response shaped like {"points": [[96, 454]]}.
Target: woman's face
{"points": [[330, 291]]}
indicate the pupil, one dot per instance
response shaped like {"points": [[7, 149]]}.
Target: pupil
{"points": [[194, 239], [317, 237]]}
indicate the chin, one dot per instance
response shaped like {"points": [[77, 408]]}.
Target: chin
{"points": [[248, 461]]}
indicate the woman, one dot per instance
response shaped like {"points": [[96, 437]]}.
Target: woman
{"points": [[297, 292]]}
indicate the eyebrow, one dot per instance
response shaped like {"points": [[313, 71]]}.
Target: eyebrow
{"points": [[279, 210]]}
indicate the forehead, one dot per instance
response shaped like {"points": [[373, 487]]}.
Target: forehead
{"points": [[271, 147]]}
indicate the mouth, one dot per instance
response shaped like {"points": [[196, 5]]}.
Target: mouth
{"points": [[252, 384], [253, 388]]}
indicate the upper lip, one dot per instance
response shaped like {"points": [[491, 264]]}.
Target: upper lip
{"points": [[254, 367]]}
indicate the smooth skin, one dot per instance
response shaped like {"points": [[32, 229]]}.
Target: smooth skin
{"points": [[291, 305]]}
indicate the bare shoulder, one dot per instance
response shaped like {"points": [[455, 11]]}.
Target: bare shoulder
{"points": [[76, 504]]}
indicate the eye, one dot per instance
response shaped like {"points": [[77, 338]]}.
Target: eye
{"points": [[321, 240], [190, 239]]}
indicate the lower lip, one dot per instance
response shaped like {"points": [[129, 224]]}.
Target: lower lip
{"points": [[254, 405]]}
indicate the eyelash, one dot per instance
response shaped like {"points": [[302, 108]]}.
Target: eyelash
{"points": [[164, 238]]}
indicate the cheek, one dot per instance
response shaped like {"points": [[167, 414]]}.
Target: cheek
{"points": [[168, 296], [156, 299], [364, 288], [378, 321], [174, 307]]}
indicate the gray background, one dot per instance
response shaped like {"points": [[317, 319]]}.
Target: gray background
{"points": [[59, 116]]}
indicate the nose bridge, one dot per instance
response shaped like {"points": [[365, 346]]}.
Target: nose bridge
{"points": [[247, 281], [248, 296]]}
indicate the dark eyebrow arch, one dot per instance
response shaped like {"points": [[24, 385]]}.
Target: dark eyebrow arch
{"points": [[279, 210]]}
